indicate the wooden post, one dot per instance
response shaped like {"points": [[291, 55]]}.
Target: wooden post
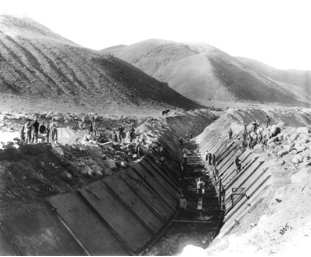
{"points": [[219, 194]]}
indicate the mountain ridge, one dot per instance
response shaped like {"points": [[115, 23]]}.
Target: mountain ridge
{"points": [[202, 73], [301, 78], [36, 61]]}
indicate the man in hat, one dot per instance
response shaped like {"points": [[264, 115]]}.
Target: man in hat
{"points": [[53, 128], [230, 133], [237, 162], [35, 131], [182, 205], [132, 133], [120, 130], [267, 121], [27, 129]]}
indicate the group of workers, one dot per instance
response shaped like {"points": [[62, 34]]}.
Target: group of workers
{"points": [[210, 158], [31, 130], [47, 131], [256, 135], [120, 134]]}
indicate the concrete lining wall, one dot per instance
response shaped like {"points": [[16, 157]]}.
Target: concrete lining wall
{"points": [[255, 177], [119, 215], [34, 229]]}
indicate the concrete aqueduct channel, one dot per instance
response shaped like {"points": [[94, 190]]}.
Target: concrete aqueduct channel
{"points": [[136, 211]]}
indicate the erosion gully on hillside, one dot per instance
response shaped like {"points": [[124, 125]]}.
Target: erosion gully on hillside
{"points": [[200, 222]]}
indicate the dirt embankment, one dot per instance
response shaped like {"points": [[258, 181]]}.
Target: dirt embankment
{"points": [[191, 122], [279, 224]]}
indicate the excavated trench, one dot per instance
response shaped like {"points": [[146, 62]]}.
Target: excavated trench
{"points": [[136, 211], [230, 197], [200, 222], [123, 214]]}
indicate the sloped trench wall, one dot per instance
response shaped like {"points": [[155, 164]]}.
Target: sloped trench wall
{"points": [[191, 122], [119, 215], [255, 180]]}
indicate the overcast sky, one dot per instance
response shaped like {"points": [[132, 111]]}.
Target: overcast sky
{"points": [[271, 31]]}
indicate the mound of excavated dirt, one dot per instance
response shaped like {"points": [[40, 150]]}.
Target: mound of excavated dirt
{"points": [[40, 69], [202, 73], [32, 172]]}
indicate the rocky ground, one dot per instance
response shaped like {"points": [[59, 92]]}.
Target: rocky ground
{"points": [[30, 172]]}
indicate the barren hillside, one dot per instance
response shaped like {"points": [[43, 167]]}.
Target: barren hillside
{"points": [[151, 55], [203, 72], [295, 77], [36, 63]]}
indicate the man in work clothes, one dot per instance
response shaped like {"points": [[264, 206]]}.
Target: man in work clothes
{"points": [[22, 134], [43, 129], [132, 133], [267, 121], [92, 127], [200, 187], [182, 205], [120, 130], [230, 133], [53, 128], [28, 131], [213, 160], [185, 159], [250, 141], [244, 142], [48, 131], [181, 141], [35, 131], [237, 162], [115, 136], [209, 158], [255, 126]]}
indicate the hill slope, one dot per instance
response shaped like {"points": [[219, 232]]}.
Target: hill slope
{"points": [[37, 63], [203, 72], [151, 55], [295, 77]]}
